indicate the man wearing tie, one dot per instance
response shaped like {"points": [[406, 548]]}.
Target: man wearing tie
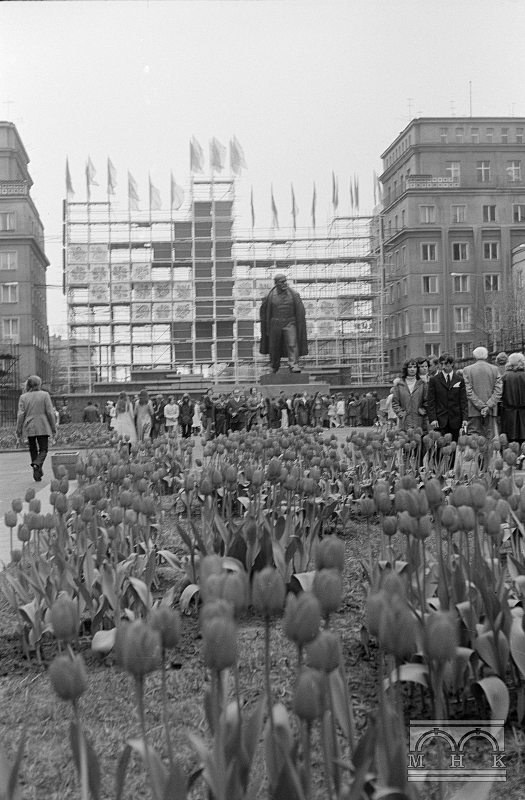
{"points": [[447, 399]]}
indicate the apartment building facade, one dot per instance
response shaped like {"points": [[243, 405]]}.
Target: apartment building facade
{"points": [[453, 223], [24, 345]]}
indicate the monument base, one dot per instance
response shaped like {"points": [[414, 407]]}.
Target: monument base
{"points": [[273, 383]]}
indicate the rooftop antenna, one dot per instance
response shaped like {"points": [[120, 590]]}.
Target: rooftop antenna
{"points": [[470, 97]]}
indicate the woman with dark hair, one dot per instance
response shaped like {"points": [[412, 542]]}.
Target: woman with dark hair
{"points": [[409, 397], [124, 420], [36, 420], [424, 369]]}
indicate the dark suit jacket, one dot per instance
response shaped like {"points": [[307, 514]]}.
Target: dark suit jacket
{"points": [[447, 405]]}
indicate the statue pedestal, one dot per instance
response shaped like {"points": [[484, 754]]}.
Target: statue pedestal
{"points": [[273, 383]]}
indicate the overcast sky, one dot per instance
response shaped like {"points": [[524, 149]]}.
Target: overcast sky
{"points": [[306, 87]]}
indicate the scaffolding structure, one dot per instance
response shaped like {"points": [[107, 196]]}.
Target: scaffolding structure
{"points": [[179, 292], [9, 381]]}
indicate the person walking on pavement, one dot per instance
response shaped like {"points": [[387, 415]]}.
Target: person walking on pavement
{"points": [[36, 420]]}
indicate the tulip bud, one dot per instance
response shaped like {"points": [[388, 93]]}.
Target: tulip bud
{"points": [[126, 499], [324, 652], [219, 638], [167, 622], [68, 677], [375, 608], [389, 525], [449, 519], [268, 591], [505, 487], [478, 494], [467, 519], [493, 524], [10, 519], [383, 502], [423, 528], [17, 505], [16, 556], [330, 553], [302, 617], [137, 648], [397, 630], [460, 496], [441, 636], [35, 505], [30, 493], [367, 506], [235, 590], [434, 493], [61, 503], [64, 618], [328, 588], [23, 533], [308, 695]]}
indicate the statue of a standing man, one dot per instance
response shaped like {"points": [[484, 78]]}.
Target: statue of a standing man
{"points": [[283, 325]]}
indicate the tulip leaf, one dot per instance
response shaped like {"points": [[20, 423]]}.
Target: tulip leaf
{"points": [[517, 640], [415, 673], [494, 652], [79, 739], [497, 696], [122, 768], [190, 593], [252, 728], [304, 579], [153, 764], [103, 641], [176, 784], [170, 559], [142, 592]]}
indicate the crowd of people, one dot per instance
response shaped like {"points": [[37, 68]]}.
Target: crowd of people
{"points": [[142, 416], [482, 398]]}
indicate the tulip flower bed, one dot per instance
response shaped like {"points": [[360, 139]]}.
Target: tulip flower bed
{"points": [[274, 685], [73, 434]]}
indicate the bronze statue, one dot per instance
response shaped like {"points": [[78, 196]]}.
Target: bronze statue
{"points": [[283, 325]]}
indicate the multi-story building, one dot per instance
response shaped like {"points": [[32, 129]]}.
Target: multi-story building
{"points": [[179, 293], [23, 316], [454, 228]]}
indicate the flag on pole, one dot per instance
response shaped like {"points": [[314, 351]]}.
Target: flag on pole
{"points": [[112, 177], [275, 217], [90, 176], [217, 155], [379, 189], [314, 201], [295, 210], [335, 192], [374, 179], [196, 156], [237, 160], [177, 194], [133, 195], [69, 185], [352, 199], [155, 203], [356, 192], [252, 209]]}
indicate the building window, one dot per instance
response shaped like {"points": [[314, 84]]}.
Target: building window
{"points": [[402, 217], [504, 136], [10, 329], [432, 349], [519, 135], [489, 213], [514, 170], [491, 250], [518, 212], [7, 221], [453, 169], [474, 135], [429, 251], [459, 251], [9, 293], [430, 284], [403, 256], [492, 283], [489, 134], [431, 319], [463, 349], [462, 319], [461, 283], [459, 213], [492, 319], [406, 323], [404, 283], [443, 135], [460, 132], [427, 214], [483, 171], [8, 259]]}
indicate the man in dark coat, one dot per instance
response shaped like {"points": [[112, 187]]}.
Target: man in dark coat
{"points": [[447, 406], [283, 325]]}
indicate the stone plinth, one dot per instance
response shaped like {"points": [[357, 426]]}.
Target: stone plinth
{"points": [[284, 377]]}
